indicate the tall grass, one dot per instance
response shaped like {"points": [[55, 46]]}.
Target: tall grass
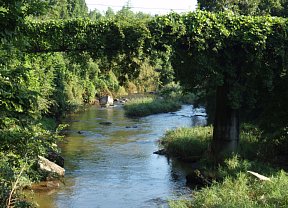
{"points": [[233, 186], [242, 189], [187, 142], [148, 105]]}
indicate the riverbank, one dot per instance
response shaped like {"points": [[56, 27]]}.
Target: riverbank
{"points": [[22, 146], [244, 180]]}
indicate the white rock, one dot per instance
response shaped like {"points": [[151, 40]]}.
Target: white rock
{"points": [[49, 166], [106, 101]]}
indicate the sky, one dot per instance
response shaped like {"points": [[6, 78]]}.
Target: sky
{"points": [[147, 6]]}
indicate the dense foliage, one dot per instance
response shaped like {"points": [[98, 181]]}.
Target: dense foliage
{"points": [[249, 7], [237, 56], [205, 39]]}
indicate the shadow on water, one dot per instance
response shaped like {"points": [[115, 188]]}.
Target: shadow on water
{"points": [[114, 165]]}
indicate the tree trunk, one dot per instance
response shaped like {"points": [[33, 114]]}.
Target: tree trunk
{"points": [[226, 125]]}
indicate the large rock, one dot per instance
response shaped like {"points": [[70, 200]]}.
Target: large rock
{"points": [[50, 167], [106, 100]]}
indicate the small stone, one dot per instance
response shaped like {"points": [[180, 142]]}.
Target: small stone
{"points": [[160, 152], [107, 123]]}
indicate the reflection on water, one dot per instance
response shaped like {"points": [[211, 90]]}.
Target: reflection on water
{"points": [[114, 165]]}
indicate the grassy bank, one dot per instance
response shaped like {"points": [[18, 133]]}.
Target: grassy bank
{"points": [[229, 183], [238, 188], [148, 105], [189, 142]]}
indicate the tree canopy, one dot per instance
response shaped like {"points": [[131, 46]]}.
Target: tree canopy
{"points": [[248, 7], [210, 47], [243, 56]]}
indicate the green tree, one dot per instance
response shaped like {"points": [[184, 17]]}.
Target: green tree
{"points": [[77, 8], [13, 12], [247, 7], [65, 9], [237, 57], [262, 107], [109, 13], [95, 15]]}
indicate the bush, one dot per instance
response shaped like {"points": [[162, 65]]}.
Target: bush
{"points": [[148, 105], [175, 91], [148, 79], [131, 87], [171, 90], [13, 178], [121, 91]]}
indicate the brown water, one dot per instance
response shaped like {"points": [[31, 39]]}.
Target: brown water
{"points": [[114, 166]]}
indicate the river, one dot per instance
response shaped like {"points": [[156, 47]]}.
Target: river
{"points": [[113, 166]]}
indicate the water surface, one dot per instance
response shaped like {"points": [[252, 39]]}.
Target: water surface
{"points": [[113, 166]]}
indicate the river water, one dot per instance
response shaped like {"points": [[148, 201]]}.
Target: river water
{"points": [[113, 166]]}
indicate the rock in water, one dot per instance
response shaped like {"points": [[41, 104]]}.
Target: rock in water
{"points": [[106, 101], [106, 123], [160, 152], [50, 167]]}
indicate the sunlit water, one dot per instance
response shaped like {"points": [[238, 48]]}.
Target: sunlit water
{"points": [[114, 165]]}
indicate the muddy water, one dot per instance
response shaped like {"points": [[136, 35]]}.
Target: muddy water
{"points": [[114, 165]]}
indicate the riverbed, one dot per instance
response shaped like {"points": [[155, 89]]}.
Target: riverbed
{"points": [[109, 160]]}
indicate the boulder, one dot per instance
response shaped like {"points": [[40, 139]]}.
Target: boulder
{"points": [[50, 167], [106, 101]]}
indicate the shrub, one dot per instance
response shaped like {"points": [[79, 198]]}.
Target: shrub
{"points": [[148, 79], [131, 87], [171, 90], [121, 91]]}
